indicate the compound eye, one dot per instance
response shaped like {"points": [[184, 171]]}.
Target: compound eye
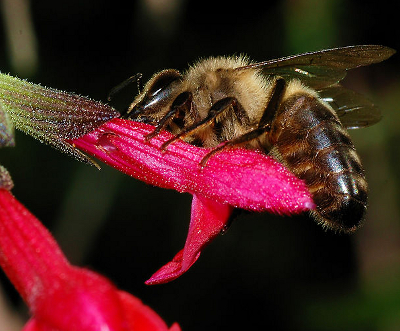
{"points": [[162, 81]]}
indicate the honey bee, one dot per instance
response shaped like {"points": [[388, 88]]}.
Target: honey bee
{"points": [[292, 108]]}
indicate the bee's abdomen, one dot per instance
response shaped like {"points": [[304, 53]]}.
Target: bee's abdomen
{"points": [[309, 139]]}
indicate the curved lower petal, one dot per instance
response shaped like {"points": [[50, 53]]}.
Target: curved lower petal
{"points": [[208, 219]]}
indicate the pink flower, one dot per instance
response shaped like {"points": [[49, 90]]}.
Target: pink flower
{"points": [[62, 297], [232, 178]]}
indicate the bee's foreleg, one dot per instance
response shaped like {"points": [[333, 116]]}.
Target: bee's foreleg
{"points": [[217, 109], [177, 110]]}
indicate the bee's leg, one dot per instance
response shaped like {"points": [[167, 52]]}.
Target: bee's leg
{"points": [[176, 111], [217, 108], [263, 126]]}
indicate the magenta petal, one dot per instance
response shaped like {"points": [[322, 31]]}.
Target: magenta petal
{"points": [[242, 178], [208, 219], [234, 177]]}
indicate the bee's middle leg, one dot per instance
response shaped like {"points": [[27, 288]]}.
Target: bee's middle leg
{"points": [[263, 125]]}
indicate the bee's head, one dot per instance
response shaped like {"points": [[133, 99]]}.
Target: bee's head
{"points": [[159, 92]]}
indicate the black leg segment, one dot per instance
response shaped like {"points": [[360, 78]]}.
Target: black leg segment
{"points": [[182, 100], [262, 127]]}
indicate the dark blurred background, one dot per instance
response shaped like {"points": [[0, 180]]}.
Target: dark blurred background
{"points": [[283, 273]]}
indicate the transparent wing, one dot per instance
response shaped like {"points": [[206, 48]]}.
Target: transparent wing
{"points": [[313, 76], [326, 67], [323, 70], [353, 109]]}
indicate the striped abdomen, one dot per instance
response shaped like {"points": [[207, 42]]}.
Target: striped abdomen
{"points": [[309, 139]]}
